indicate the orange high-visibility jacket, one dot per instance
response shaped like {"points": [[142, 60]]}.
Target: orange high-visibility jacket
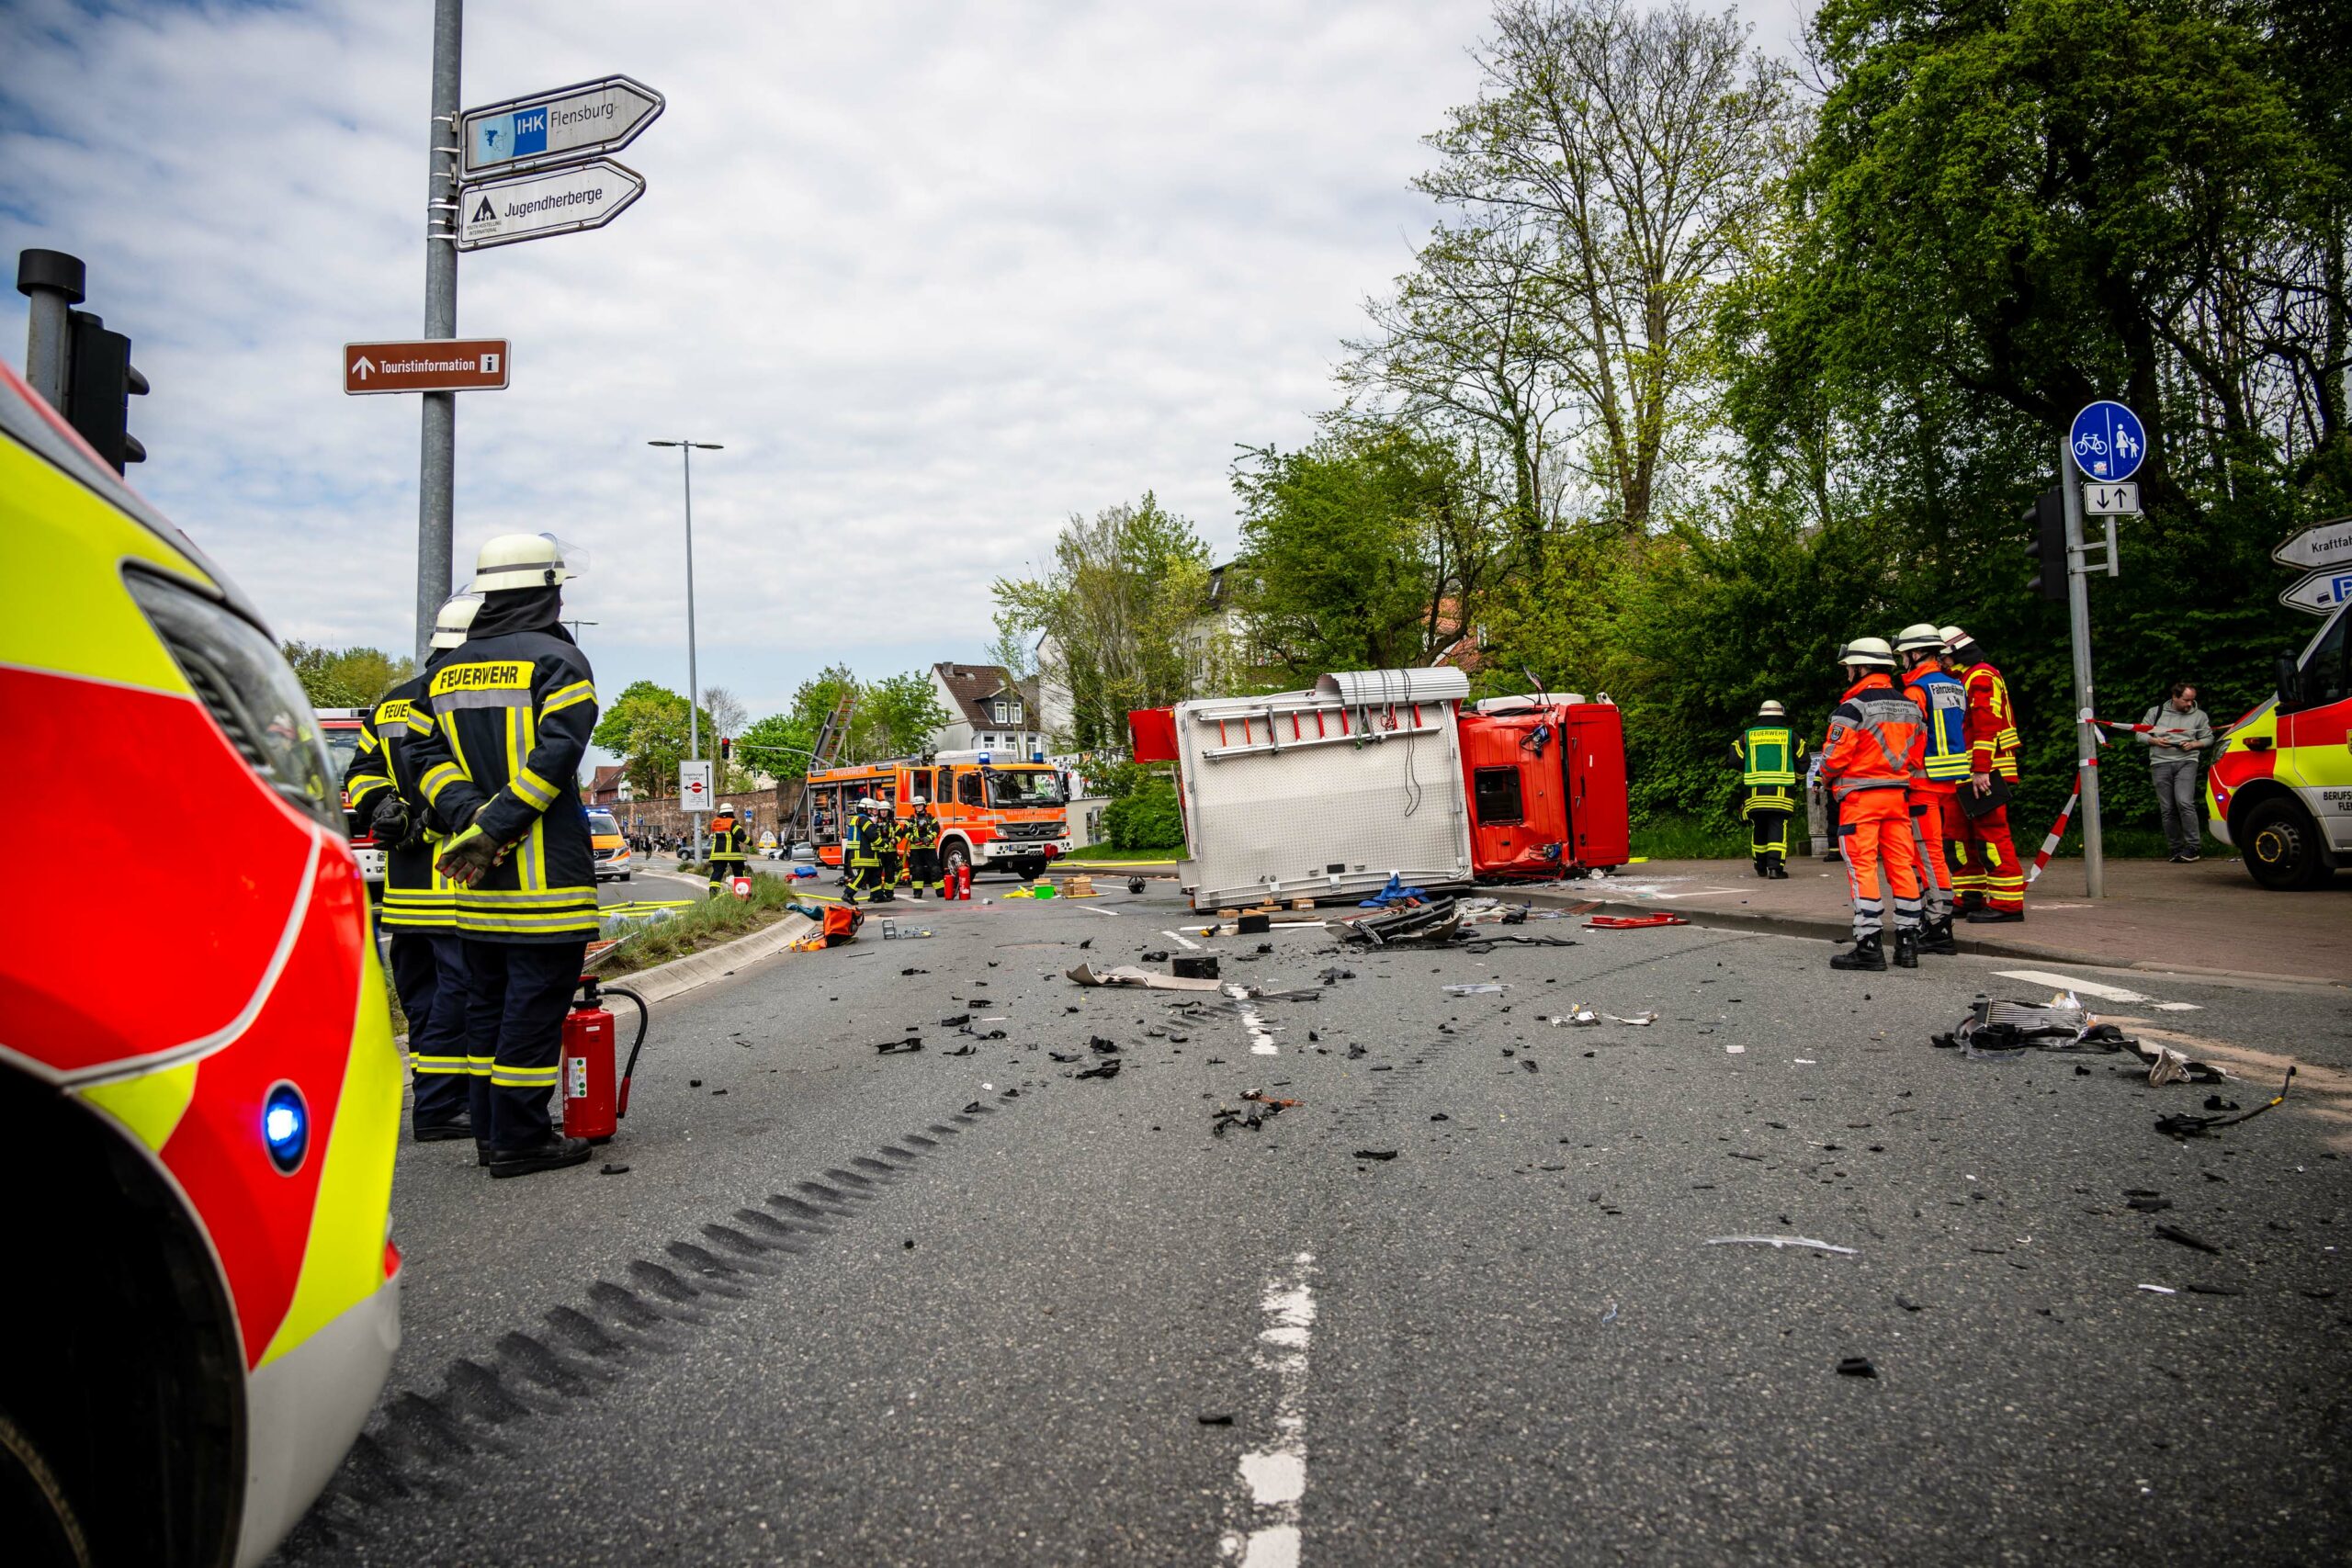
{"points": [[1877, 737]]}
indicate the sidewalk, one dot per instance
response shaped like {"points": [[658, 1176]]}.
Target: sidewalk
{"points": [[2206, 918]]}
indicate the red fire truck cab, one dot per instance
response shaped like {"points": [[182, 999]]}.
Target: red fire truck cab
{"points": [[1545, 780]]}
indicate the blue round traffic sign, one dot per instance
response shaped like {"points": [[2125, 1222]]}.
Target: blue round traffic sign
{"points": [[2108, 441]]}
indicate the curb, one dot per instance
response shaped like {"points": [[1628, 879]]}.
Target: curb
{"points": [[680, 976], [1843, 931]]}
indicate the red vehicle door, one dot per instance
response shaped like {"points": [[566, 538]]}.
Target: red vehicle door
{"points": [[1599, 823], [1516, 789]]}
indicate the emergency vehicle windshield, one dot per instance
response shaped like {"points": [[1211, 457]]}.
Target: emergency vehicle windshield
{"points": [[342, 745], [1037, 786]]}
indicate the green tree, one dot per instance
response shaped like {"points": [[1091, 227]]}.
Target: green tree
{"points": [[896, 716], [346, 677], [1362, 550], [1126, 615], [646, 726]]}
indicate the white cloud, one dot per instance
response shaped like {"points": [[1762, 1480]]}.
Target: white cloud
{"points": [[936, 275]]}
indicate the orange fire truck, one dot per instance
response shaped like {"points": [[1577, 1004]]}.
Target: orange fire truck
{"points": [[198, 1087], [993, 815]]}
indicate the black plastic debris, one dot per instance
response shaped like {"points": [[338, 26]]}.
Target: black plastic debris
{"points": [[1087, 943], [971, 1108], [1531, 1066], [2175, 1234], [1334, 974], [1439, 1116], [1907, 1304], [693, 1083], [1377, 1154], [2186, 1126], [898, 1048], [1354, 1051], [956, 1021], [1135, 884], [1101, 1046], [613, 1170], [1063, 1055], [914, 971], [1252, 925], [1157, 955], [1193, 967], [1857, 1366], [2215, 1102], [910, 1244], [1225, 1420], [1109, 1069]]}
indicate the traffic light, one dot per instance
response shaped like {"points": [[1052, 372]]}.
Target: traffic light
{"points": [[2047, 549], [100, 384], [726, 748]]}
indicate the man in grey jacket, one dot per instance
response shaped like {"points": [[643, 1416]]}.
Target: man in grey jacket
{"points": [[2177, 731]]}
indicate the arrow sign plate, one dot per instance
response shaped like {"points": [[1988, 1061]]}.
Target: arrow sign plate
{"points": [[2321, 593], [533, 207], [561, 126], [2112, 501], [427, 364], [2322, 544]]}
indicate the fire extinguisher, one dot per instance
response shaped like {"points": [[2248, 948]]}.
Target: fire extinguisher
{"points": [[593, 1103]]}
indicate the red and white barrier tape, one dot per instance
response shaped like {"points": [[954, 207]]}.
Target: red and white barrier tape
{"points": [[2057, 832]]}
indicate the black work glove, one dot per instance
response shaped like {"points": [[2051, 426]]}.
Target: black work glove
{"points": [[391, 823], [466, 858]]}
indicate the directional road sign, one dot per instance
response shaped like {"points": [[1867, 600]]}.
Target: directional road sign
{"points": [[555, 201], [427, 364], [562, 125], [2107, 442], [2111, 501], [2321, 593], [2322, 544], [694, 784]]}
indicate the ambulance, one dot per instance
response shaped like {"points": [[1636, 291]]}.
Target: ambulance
{"points": [[2281, 792], [199, 1096]]}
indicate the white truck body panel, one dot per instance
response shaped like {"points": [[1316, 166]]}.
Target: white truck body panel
{"points": [[1362, 774]]}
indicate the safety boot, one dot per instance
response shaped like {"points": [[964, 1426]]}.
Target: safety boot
{"points": [[552, 1154], [1989, 916], [1906, 950], [1936, 937], [1870, 953]]}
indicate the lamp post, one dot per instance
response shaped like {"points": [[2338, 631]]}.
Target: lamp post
{"points": [[686, 450]]}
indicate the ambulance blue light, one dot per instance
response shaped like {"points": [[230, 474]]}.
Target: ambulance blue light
{"points": [[286, 1127]]}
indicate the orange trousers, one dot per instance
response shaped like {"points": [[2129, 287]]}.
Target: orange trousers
{"points": [[1874, 833], [1933, 811]]}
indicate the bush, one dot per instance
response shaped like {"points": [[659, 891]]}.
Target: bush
{"points": [[1145, 818]]}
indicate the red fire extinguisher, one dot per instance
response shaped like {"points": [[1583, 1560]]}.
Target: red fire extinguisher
{"points": [[593, 1103]]}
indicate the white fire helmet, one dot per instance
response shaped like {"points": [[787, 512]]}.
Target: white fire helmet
{"points": [[1920, 639], [1868, 652], [1771, 709], [456, 615], [519, 560]]}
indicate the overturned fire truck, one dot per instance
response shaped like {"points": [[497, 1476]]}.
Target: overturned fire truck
{"points": [[1327, 793]]}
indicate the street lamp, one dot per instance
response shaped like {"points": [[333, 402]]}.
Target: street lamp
{"points": [[686, 450]]}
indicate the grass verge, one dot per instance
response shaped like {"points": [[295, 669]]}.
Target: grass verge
{"points": [[708, 924]]}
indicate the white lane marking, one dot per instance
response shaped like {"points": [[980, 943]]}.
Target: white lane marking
{"points": [[1275, 1475], [1097, 910], [1261, 1043], [1181, 941], [2068, 983], [2179, 1007]]}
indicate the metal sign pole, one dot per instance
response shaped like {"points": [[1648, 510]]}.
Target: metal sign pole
{"points": [[694, 680], [436, 476], [2078, 626]]}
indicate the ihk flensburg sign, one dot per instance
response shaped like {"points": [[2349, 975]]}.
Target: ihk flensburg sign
{"points": [[562, 125], [532, 206]]}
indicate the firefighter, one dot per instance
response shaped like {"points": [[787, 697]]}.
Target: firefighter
{"points": [[861, 852], [1944, 762], [726, 848], [922, 848], [499, 738], [1986, 873], [1768, 755], [1876, 738], [887, 851], [420, 911]]}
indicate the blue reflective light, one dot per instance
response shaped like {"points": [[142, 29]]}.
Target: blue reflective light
{"points": [[285, 1127]]}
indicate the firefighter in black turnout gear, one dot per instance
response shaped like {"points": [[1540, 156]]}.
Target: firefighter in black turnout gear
{"points": [[420, 910], [921, 834], [726, 844], [500, 735]]}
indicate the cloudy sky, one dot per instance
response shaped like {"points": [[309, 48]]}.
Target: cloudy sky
{"points": [[936, 275]]}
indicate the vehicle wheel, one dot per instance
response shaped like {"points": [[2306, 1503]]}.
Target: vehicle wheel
{"points": [[955, 855], [2283, 847], [1030, 870], [625, 875], [34, 1511]]}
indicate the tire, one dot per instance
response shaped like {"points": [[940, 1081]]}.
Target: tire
{"points": [[955, 855], [625, 875], [36, 1518], [2283, 847], [1030, 870]]}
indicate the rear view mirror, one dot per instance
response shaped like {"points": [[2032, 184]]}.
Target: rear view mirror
{"points": [[2289, 683]]}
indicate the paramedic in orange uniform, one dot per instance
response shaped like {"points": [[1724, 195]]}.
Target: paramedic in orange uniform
{"points": [[1877, 737]]}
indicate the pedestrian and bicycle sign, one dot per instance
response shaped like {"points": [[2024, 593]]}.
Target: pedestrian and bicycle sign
{"points": [[561, 126], [427, 364], [2321, 593], [553, 201], [2108, 441]]}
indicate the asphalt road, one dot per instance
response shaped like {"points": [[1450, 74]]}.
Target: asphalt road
{"points": [[931, 1308]]}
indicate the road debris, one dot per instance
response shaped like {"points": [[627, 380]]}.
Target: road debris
{"points": [[1109, 1069], [1578, 1016], [2175, 1234], [2161, 1290], [1101, 1046], [1377, 1154], [1193, 965], [2186, 1126], [1334, 974], [1779, 1242], [1638, 1020], [1997, 1030], [1085, 974], [1857, 1366], [1481, 989], [614, 1169], [1633, 922], [1223, 1420], [898, 1048]]}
